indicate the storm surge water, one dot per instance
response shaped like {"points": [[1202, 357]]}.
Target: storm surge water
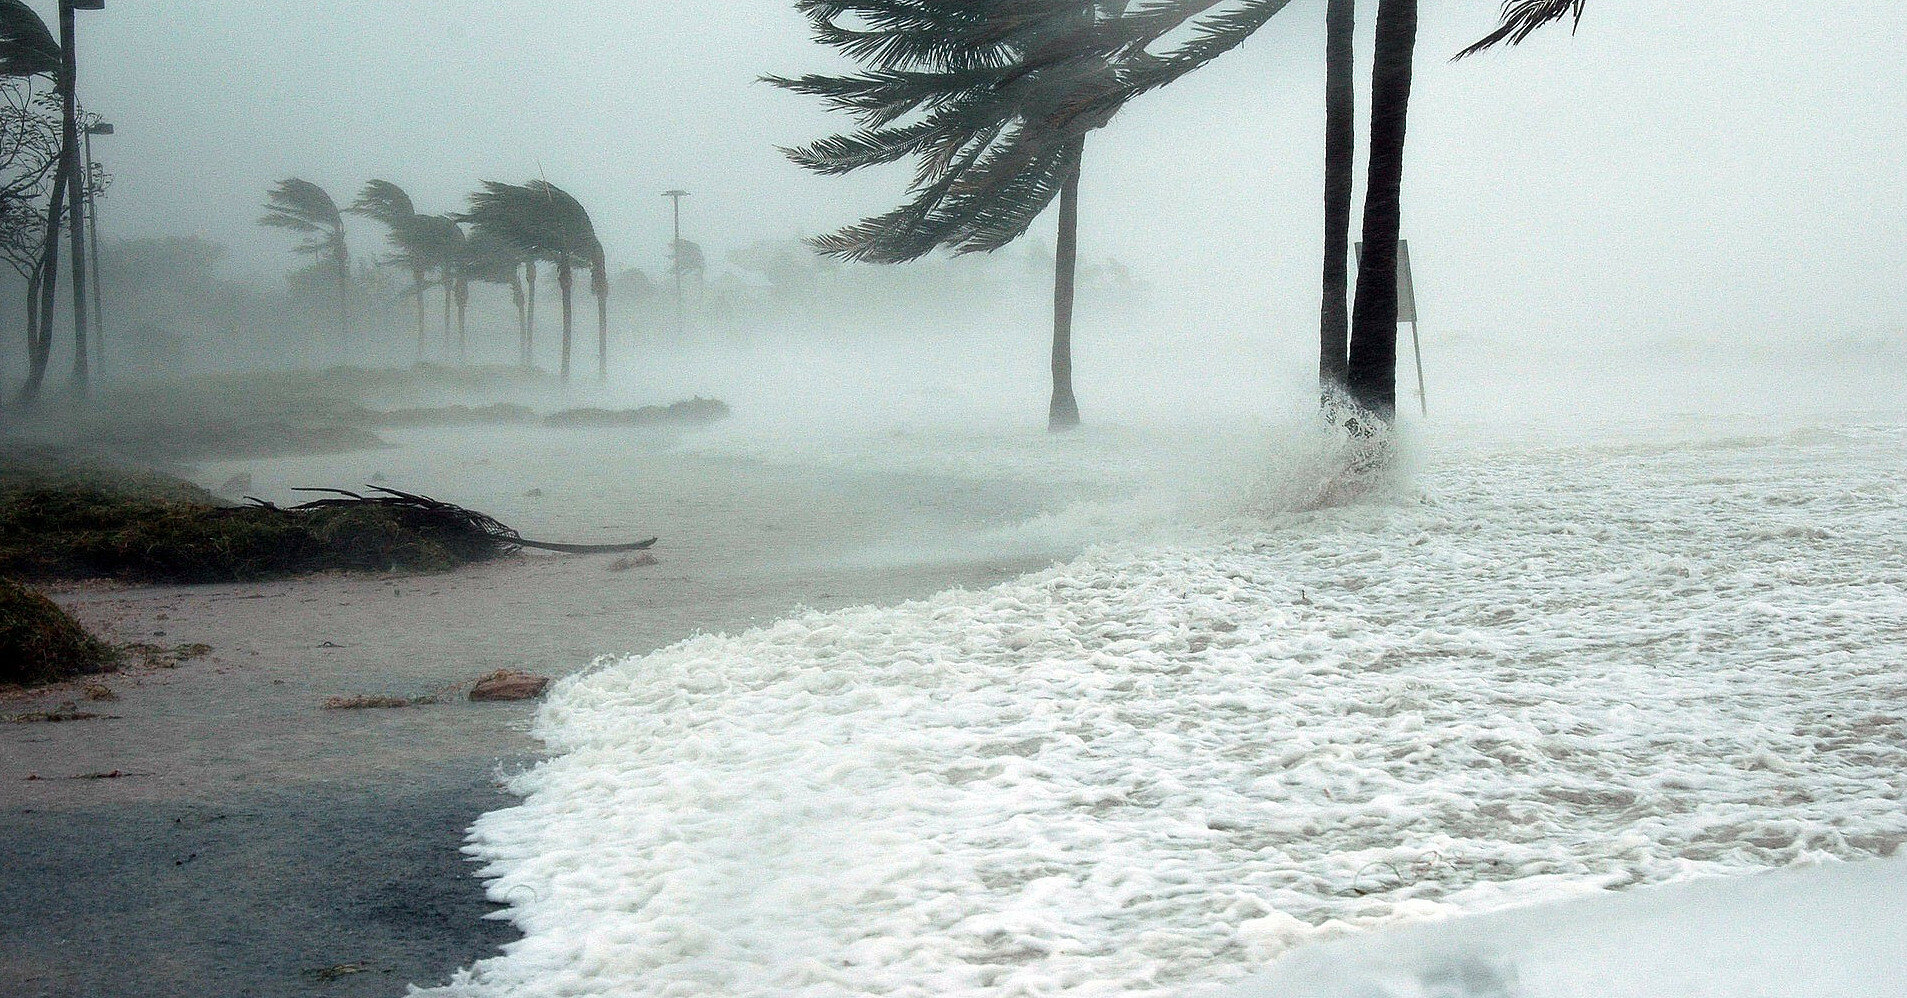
{"points": [[1266, 715]]}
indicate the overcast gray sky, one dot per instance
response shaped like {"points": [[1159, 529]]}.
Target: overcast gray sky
{"points": [[1670, 169]]}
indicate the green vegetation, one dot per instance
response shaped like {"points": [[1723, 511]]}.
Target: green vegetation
{"points": [[61, 521], [39, 643]]}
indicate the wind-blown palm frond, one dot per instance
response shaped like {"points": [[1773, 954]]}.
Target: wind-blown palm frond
{"points": [[383, 201], [27, 47], [435, 240], [387, 203], [303, 207], [490, 259], [988, 95], [1209, 34], [1521, 19]]}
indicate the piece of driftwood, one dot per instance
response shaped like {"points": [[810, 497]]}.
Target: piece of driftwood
{"points": [[450, 516]]}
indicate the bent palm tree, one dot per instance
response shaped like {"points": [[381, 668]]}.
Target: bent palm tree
{"points": [[994, 99], [543, 221], [438, 241], [387, 203], [488, 259], [303, 207]]}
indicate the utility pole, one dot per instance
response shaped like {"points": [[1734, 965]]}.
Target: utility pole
{"points": [[69, 153], [675, 256], [92, 235]]}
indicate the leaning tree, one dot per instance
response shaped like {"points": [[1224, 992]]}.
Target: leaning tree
{"points": [[488, 259], [28, 50], [30, 157], [993, 99], [544, 222], [387, 203], [304, 208]]}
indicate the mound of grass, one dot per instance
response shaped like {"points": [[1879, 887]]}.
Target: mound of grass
{"points": [[40, 643]]}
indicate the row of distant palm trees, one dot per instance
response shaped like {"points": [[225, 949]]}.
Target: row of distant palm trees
{"points": [[500, 238], [994, 99]]}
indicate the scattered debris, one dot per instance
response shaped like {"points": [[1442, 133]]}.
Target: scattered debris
{"points": [[507, 684], [628, 562], [98, 691], [332, 973], [166, 657], [361, 702], [68, 711], [467, 527]]}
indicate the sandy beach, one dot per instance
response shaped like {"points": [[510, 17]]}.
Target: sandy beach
{"points": [[255, 843]]}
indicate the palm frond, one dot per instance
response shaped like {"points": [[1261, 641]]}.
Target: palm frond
{"points": [[27, 47], [304, 207], [1522, 18], [383, 201], [1209, 35]]}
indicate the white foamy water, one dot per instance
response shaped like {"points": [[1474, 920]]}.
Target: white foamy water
{"points": [[1157, 767]]}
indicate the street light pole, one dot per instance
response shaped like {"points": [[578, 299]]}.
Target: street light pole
{"points": [[92, 235], [76, 203], [675, 256]]}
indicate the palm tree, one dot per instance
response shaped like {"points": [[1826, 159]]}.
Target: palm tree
{"points": [[994, 98], [303, 207], [542, 221], [1371, 377], [488, 259], [387, 203], [438, 240]]}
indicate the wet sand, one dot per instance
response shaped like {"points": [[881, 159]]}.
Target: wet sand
{"points": [[257, 844]]}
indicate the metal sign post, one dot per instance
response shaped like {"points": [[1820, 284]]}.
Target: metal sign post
{"points": [[1407, 311]]}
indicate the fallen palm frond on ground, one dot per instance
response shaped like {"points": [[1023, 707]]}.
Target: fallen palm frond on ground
{"points": [[449, 519], [69, 526]]}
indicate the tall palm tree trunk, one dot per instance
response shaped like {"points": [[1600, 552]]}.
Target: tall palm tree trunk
{"points": [[566, 283], [522, 319], [602, 334], [1340, 155], [450, 304], [463, 306], [1373, 369], [1063, 412], [341, 262], [529, 328], [417, 276]]}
